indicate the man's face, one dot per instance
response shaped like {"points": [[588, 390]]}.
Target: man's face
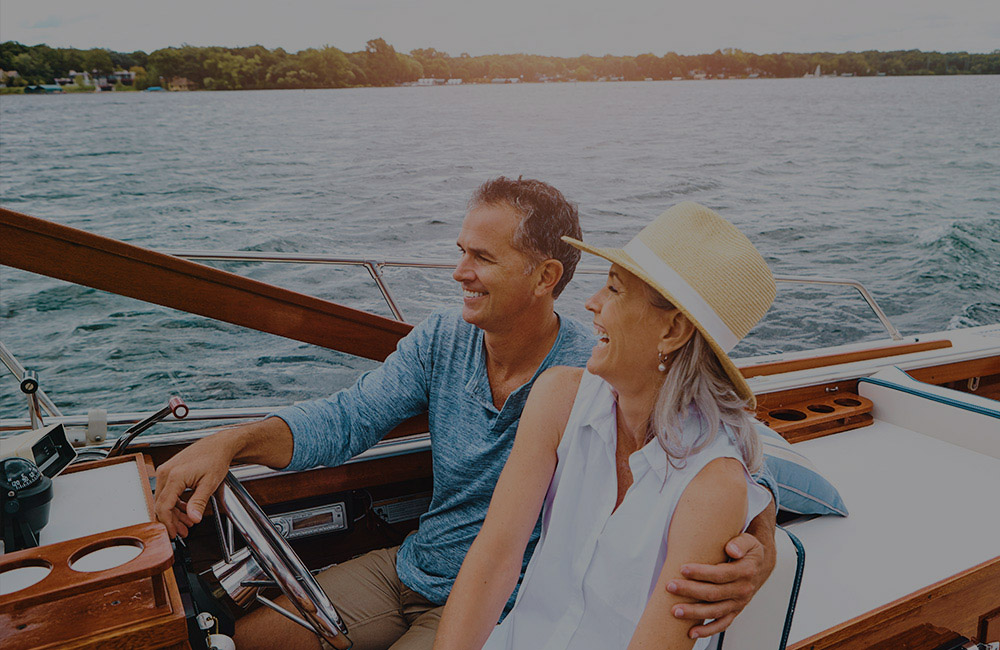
{"points": [[491, 271]]}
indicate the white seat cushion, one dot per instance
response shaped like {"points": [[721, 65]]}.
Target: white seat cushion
{"points": [[922, 510]]}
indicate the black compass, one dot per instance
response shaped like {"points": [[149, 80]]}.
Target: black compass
{"points": [[25, 496]]}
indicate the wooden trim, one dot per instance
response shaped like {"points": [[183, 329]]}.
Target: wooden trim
{"points": [[121, 617], [956, 603], [141, 466], [103, 462], [327, 480], [62, 582], [90, 260], [779, 367], [989, 627], [957, 371], [817, 416]]}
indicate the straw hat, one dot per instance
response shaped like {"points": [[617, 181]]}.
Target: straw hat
{"points": [[706, 268]]}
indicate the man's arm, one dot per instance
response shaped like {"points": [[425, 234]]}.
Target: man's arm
{"points": [[203, 466], [723, 590], [323, 432], [333, 430]]}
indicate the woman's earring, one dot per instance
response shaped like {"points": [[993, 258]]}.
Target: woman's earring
{"points": [[663, 362]]}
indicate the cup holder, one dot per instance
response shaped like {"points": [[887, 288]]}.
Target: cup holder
{"points": [[788, 415], [846, 401], [106, 554], [820, 408], [22, 575]]}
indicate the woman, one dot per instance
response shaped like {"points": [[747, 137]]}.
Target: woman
{"points": [[641, 461]]}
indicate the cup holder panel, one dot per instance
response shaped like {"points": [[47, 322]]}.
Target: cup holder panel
{"points": [[788, 415], [106, 554], [22, 575]]}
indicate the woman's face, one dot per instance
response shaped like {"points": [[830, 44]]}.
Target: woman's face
{"points": [[629, 330]]}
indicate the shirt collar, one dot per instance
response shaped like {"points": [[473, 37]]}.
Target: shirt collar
{"points": [[478, 385], [600, 416], [656, 457], [599, 413]]}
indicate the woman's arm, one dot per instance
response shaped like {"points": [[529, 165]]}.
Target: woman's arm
{"points": [[721, 591], [711, 511], [493, 564]]}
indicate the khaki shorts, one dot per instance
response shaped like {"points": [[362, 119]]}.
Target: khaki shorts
{"points": [[379, 610]]}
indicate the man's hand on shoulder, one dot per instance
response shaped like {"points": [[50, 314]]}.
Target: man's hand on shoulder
{"points": [[725, 589]]}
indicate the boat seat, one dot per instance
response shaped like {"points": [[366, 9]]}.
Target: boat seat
{"points": [[766, 622], [973, 422], [921, 510]]}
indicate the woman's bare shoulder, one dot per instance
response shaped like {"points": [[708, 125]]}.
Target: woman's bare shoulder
{"points": [[560, 380], [552, 396]]}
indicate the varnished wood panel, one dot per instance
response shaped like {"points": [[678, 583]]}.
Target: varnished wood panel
{"points": [[62, 581], [117, 617], [134, 605], [821, 361], [921, 637], [818, 416], [325, 480], [989, 627], [958, 371], [90, 260], [782, 398]]}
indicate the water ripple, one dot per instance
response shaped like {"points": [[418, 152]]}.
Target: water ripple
{"points": [[891, 181]]}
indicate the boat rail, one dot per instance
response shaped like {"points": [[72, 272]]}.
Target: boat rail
{"points": [[16, 369], [374, 268]]}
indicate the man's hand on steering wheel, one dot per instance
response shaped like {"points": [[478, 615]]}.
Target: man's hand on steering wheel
{"points": [[200, 467]]}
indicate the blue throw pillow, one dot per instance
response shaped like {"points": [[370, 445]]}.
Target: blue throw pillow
{"points": [[801, 488]]}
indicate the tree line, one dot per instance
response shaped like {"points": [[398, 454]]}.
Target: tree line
{"points": [[379, 64]]}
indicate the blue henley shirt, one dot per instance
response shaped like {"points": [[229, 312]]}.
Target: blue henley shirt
{"points": [[438, 368]]}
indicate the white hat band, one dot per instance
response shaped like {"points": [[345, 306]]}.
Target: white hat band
{"points": [[684, 293]]}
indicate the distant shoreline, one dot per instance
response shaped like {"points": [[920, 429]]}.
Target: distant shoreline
{"points": [[75, 91], [379, 64]]}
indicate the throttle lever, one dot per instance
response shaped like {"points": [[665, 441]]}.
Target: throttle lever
{"points": [[175, 406]]}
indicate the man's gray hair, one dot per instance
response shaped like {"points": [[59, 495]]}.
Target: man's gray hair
{"points": [[546, 216]]}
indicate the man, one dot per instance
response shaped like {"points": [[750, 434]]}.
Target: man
{"points": [[471, 371]]}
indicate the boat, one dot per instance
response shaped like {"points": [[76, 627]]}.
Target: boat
{"points": [[906, 428]]}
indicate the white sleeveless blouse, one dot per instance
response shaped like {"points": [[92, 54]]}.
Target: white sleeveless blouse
{"points": [[593, 571]]}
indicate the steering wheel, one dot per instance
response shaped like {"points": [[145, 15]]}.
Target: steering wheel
{"points": [[275, 556]]}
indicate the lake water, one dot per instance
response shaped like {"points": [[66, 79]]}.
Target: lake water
{"points": [[891, 181]]}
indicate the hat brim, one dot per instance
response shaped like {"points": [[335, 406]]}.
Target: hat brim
{"points": [[624, 260]]}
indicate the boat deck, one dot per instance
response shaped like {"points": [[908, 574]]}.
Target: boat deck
{"points": [[922, 510]]}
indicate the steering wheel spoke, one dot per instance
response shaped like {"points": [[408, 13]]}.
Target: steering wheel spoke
{"points": [[279, 561]]}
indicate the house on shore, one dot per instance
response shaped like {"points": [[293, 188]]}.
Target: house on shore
{"points": [[7, 75], [43, 89]]}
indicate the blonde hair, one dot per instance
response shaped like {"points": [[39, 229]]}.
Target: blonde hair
{"points": [[696, 382]]}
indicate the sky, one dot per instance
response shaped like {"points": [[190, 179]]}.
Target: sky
{"points": [[548, 27]]}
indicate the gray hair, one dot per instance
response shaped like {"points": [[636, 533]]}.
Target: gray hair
{"points": [[697, 384], [546, 216]]}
